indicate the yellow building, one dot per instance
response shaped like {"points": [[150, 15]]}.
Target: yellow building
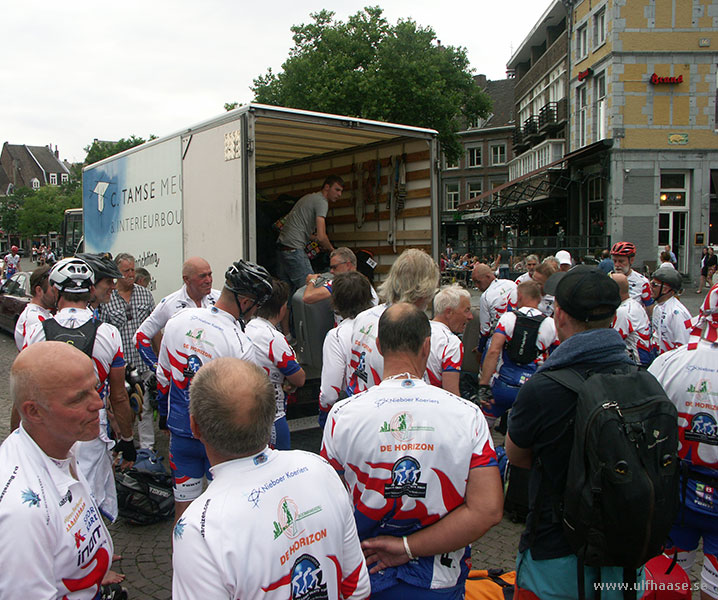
{"points": [[643, 123]]}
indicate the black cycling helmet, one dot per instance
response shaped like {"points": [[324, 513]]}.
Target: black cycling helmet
{"points": [[102, 265], [72, 275], [250, 280], [670, 277]]}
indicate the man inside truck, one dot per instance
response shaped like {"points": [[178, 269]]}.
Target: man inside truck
{"points": [[306, 221]]}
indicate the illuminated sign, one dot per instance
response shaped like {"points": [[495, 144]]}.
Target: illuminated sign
{"points": [[656, 80]]}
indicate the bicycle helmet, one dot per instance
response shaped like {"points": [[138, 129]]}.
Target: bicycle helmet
{"points": [[72, 275], [623, 249], [101, 264], [670, 277], [250, 280], [14, 249]]}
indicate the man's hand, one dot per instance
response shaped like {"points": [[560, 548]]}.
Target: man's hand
{"points": [[383, 552], [126, 448], [311, 278], [486, 398]]}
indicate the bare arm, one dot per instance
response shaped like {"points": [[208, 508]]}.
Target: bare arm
{"points": [[491, 360], [313, 293], [120, 402], [481, 510], [322, 237], [521, 457], [157, 342], [297, 379], [450, 382]]}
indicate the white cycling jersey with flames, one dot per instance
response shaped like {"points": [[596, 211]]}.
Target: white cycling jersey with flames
{"points": [[669, 325], [194, 337], [55, 544], [33, 314], [498, 298], [366, 365], [335, 364], [447, 353], [405, 468], [276, 525], [631, 321], [168, 307], [274, 355]]}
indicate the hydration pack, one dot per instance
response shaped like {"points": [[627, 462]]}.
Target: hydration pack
{"points": [[522, 348], [83, 337]]}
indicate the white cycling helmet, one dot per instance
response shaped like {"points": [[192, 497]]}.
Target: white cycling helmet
{"points": [[72, 275]]}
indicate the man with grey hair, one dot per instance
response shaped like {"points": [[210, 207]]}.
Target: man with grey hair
{"points": [[452, 310], [54, 542], [413, 278], [341, 260], [130, 304], [425, 442], [531, 262], [313, 550]]}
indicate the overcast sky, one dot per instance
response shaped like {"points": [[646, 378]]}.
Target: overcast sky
{"points": [[79, 70]]}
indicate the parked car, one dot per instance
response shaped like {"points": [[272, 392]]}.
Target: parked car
{"points": [[14, 297]]}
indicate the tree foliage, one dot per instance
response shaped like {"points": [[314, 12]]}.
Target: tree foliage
{"points": [[99, 150], [369, 68], [42, 210]]}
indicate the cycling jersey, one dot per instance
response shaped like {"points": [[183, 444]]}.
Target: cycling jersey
{"points": [[405, 468], [498, 298], [55, 542], [639, 288], [298, 537], [275, 356], [690, 379], [631, 321], [94, 456], [447, 353], [669, 325], [193, 337], [152, 325], [12, 262], [335, 364], [523, 277], [33, 313], [546, 342], [366, 365]]}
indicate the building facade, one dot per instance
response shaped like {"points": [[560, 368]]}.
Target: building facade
{"points": [[643, 84], [483, 166], [30, 166]]}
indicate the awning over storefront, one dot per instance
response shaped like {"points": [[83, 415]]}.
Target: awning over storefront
{"points": [[551, 180]]}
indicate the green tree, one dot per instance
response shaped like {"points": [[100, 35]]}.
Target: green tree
{"points": [[43, 210], [369, 68], [100, 150]]}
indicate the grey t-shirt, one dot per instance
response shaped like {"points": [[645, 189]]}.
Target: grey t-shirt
{"points": [[302, 219]]}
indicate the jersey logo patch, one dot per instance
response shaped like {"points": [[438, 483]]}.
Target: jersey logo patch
{"points": [[405, 476], [307, 579], [193, 365], [288, 517], [703, 429], [402, 427]]}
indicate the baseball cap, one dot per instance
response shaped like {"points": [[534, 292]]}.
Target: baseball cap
{"points": [[563, 257], [584, 289]]}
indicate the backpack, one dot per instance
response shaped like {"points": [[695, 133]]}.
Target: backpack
{"points": [[144, 497], [621, 495], [522, 348], [83, 337]]}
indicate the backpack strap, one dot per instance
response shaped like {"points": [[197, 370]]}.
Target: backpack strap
{"points": [[567, 377]]}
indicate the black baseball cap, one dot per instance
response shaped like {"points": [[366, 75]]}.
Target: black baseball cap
{"points": [[583, 290]]}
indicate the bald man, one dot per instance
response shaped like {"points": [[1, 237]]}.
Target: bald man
{"points": [[497, 296], [631, 321], [196, 291], [53, 542], [297, 529]]}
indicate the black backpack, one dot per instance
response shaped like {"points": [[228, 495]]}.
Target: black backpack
{"points": [[621, 495], [83, 337], [144, 497], [522, 348]]}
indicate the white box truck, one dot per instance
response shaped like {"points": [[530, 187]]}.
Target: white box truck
{"points": [[214, 190]]}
